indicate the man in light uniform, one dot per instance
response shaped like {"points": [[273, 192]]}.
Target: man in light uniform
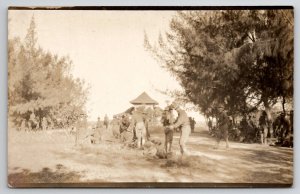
{"points": [[138, 122], [183, 124], [263, 124]]}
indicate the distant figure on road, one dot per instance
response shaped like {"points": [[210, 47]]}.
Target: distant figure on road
{"points": [[192, 123], [106, 121], [210, 126], [115, 126], [284, 128], [263, 124], [223, 125], [244, 128], [44, 124], [96, 137], [254, 128], [98, 124], [248, 128], [183, 124], [33, 123]]}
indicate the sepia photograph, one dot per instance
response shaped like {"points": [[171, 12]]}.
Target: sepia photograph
{"points": [[154, 97]]}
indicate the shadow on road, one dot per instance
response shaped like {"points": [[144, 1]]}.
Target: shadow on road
{"points": [[60, 175]]}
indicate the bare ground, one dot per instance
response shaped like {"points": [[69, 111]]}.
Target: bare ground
{"points": [[45, 157]]}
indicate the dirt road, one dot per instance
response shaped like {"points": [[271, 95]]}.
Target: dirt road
{"points": [[53, 158]]}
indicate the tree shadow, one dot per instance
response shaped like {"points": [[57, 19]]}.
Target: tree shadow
{"points": [[59, 175], [242, 163], [272, 165]]}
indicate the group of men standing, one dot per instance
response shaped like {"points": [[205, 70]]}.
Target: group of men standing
{"points": [[263, 127], [182, 124], [137, 122], [36, 123], [97, 135], [253, 129]]}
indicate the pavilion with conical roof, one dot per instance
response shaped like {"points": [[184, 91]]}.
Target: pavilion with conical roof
{"points": [[144, 99]]}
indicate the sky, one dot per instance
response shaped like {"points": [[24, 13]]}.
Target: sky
{"points": [[107, 50]]}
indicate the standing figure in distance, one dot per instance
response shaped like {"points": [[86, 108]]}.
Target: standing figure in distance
{"points": [[192, 124], [263, 124], [106, 121], [97, 133], [223, 125], [44, 124]]}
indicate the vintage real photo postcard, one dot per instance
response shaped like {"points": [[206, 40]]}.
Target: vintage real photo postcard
{"points": [[150, 96]]}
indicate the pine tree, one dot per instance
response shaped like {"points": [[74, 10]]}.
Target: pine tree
{"points": [[239, 59], [42, 83]]}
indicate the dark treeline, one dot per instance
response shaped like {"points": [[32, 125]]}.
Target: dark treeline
{"points": [[241, 60], [41, 88]]}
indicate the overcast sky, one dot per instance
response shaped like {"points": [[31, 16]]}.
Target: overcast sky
{"points": [[107, 51]]}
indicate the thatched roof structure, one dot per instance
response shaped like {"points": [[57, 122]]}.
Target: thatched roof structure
{"points": [[144, 99]]}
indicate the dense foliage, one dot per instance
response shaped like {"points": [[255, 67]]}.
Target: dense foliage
{"points": [[40, 82], [240, 59]]}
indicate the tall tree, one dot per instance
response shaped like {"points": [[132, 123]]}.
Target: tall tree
{"points": [[42, 83], [223, 57]]}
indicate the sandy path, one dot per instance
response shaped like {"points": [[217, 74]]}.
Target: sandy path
{"points": [[42, 157]]}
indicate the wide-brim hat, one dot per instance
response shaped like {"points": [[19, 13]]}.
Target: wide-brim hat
{"points": [[174, 105]]}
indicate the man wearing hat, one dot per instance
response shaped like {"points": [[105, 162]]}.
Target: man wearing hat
{"points": [[138, 121], [223, 125], [182, 123], [263, 124], [96, 137]]}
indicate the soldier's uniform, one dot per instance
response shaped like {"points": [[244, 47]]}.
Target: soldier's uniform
{"points": [[125, 122], [44, 123], [98, 124], [106, 121], [254, 130], [263, 124], [167, 120], [192, 124], [244, 125], [223, 125], [32, 121], [284, 128], [138, 121], [96, 136], [182, 123], [209, 124]]}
